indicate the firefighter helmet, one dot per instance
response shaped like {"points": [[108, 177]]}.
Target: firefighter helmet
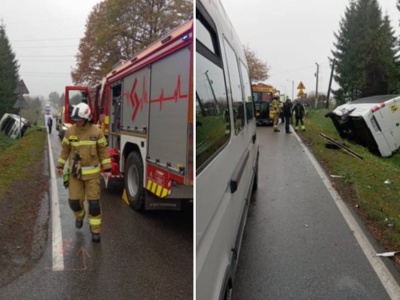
{"points": [[81, 111]]}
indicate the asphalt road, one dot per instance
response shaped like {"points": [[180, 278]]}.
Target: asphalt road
{"points": [[141, 255], [297, 243]]}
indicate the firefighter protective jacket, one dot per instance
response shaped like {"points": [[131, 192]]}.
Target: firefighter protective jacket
{"points": [[90, 144]]}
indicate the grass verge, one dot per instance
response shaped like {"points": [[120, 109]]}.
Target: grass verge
{"points": [[371, 185], [17, 156]]}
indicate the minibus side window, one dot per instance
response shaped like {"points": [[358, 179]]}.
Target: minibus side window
{"points": [[247, 92], [204, 36], [235, 88], [213, 117], [212, 112]]}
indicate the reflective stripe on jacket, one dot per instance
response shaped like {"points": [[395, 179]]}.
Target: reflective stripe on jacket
{"points": [[90, 144]]}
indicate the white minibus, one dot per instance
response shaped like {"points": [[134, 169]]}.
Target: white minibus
{"points": [[226, 150]]}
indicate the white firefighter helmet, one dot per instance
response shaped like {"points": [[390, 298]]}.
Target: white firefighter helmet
{"points": [[81, 111]]}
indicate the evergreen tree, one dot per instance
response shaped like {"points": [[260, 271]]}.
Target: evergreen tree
{"points": [[365, 55], [8, 75]]}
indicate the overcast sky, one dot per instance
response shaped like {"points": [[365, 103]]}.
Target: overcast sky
{"points": [[292, 36], [44, 35]]}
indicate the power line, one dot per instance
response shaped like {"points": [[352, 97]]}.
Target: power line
{"points": [[44, 40], [45, 56], [295, 70], [35, 47]]}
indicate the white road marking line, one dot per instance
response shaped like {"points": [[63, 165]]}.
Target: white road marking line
{"points": [[389, 283], [57, 243]]}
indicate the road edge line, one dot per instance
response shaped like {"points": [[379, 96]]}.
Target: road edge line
{"points": [[57, 253]]}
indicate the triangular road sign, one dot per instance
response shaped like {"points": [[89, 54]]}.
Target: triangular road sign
{"points": [[21, 88], [21, 102], [301, 86], [300, 94]]}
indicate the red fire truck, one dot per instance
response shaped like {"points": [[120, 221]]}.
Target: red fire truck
{"points": [[262, 96], [144, 105]]}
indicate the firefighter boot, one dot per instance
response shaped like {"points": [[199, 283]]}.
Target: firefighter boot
{"points": [[95, 219], [96, 237], [79, 212], [79, 221]]}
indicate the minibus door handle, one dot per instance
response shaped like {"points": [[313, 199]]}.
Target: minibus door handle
{"points": [[237, 174]]}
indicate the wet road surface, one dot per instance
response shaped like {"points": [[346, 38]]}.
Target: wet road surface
{"points": [[297, 244], [141, 255]]}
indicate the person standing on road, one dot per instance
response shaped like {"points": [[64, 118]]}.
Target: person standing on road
{"points": [[299, 113], [276, 108], [85, 148], [287, 113], [50, 124]]}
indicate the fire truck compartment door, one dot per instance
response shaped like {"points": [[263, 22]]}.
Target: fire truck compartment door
{"points": [[169, 94]]}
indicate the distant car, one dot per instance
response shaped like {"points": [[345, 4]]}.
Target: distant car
{"points": [[13, 125], [373, 122]]}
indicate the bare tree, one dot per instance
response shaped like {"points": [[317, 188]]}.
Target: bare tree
{"points": [[257, 68]]}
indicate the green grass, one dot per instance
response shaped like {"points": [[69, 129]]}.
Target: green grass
{"points": [[376, 201], [17, 156]]}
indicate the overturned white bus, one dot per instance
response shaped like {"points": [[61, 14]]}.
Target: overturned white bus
{"points": [[13, 125], [373, 122]]}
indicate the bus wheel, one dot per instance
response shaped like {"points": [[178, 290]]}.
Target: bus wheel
{"points": [[134, 181]]}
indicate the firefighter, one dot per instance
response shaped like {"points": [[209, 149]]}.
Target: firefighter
{"points": [[85, 148], [276, 108], [299, 113]]}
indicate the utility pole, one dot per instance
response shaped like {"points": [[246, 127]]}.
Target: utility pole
{"points": [[212, 91], [316, 88], [330, 84]]}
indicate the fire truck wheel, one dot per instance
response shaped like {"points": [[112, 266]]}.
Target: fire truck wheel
{"points": [[134, 181]]}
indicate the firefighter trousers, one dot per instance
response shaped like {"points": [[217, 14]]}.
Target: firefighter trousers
{"points": [[276, 120], [80, 190]]}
